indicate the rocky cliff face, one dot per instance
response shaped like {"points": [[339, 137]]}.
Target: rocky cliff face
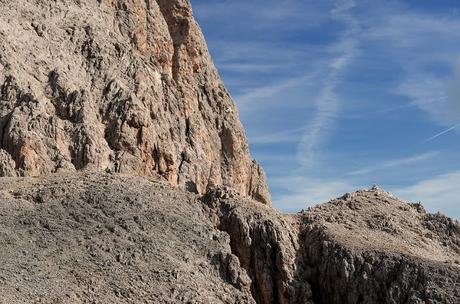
{"points": [[126, 85], [366, 247], [110, 238]]}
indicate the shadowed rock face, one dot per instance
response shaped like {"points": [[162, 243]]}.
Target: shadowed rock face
{"points": [[111, 238], [127, 85], [366, 247]]}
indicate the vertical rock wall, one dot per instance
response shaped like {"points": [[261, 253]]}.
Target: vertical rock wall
{"points": [[126, 85]]}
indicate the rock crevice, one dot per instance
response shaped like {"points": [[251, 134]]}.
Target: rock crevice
{"points": [[343, 252]]}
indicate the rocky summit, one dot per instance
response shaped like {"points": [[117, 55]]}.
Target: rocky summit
{"points": [[126, 178]]}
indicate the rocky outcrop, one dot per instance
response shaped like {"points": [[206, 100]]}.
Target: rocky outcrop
{"points": [[266, 243], [101, 238], [370, 247], [366, 247], [110, 238], [124, 85]]}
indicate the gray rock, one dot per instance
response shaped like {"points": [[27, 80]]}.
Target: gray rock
{"points": [[106, 238], [111, 238], [366, 247]]}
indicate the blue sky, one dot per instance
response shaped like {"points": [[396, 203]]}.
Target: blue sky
{"points": [[340, 95]]}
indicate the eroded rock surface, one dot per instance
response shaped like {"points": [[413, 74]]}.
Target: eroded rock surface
{"points": [[266, 243], [111, 238], [370, 247], [366, 247], [125, 85]]}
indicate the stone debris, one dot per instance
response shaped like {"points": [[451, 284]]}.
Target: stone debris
{"points": [[113, 238]]}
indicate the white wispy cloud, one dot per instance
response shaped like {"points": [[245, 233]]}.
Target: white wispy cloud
{"points": [[259, 94], [437, 96], [302, 188], [327, 102], [453, 88], [423, 45], [442, 133], [440, 193], [319, 127], [409, 30], [306, 191], [282, 137], [428, 93], [252, 67], [234, 50], [274, 159], [342, 6], [263, 13], [395, 163]]}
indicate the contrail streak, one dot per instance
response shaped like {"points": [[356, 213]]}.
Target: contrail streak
{"points": [[442, 133]]}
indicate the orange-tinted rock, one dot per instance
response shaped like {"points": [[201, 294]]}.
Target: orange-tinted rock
{"points": [[124, 85]]}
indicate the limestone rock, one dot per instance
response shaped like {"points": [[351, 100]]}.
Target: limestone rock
{"points": [[366, 247], [106, 238], [7, 165], [112, 238], [370, 247], [126, 85]]}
